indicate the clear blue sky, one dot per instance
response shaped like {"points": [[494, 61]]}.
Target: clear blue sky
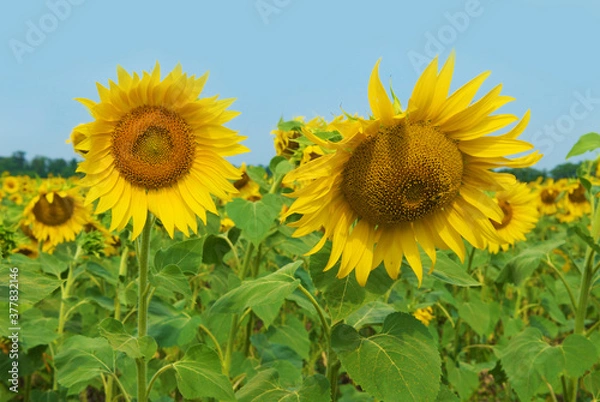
{"points": [[296, 57]]}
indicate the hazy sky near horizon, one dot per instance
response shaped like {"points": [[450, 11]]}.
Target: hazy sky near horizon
{"points": [[286, 58]]}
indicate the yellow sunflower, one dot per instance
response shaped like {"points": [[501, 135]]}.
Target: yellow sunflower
{"points": [[54, 217], [425, 315], [155, 146], [549, 193], [575, 203], [284, 140], [409, 178], [10, 184], [310, 153], [520, 216], [248, 189]]}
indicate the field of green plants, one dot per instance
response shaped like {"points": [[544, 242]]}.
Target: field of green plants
{"points": [[294, 283]]}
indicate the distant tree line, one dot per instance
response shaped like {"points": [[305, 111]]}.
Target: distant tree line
{"points": [[40, 166], [562, 171]]}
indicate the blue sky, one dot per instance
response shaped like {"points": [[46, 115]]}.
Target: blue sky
{"points": [[284, 58]]}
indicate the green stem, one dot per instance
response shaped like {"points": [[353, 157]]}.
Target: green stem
{"points": [[65, 293], [156, 375], [471, 255], [563, 280], [233, 250], [230, 342], [214, 339], [143, 257], [333, 363], [580, 314], [247, 259]]}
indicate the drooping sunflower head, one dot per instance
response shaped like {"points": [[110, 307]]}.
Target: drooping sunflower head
{"points": [[156, 146], [405, 179], [520, 216], [55, 216]]}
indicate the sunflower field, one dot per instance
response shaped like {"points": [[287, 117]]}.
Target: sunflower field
{"points": [[389, 257]]}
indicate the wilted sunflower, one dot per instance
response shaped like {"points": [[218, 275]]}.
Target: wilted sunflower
{"points": [[55, 216], [155, 146], [413, 177], [520, 216]]}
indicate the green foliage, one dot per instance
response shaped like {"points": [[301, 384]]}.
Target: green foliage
{"points": [[401, 363]]}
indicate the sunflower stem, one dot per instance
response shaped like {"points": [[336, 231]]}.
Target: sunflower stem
{"points": [[143, 257], [580, 313], [65, 293]]}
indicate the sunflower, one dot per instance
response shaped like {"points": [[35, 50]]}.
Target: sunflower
{"points": [[310, 153], [409, 178], [55, 216], [425, 315], [549, 193], [575, 203], [10, 184], [248, 189], [520, 216], [155, 146]]}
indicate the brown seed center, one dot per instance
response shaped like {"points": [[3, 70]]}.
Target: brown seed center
{"points": [[55, 213], [402, 174], [153, 147], [578, 195], [508, 214]]}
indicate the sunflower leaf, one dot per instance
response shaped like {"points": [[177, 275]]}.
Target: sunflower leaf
{"points": [[255, 219], [587, 142], [446, 270], [401, 363], [187, 255], [199, 375], [121, 341], [266, 290]]}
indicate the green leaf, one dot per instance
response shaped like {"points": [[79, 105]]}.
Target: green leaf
{"points": [[475, 312], [268, 312], [446, 395], [33, 285], [121, 341], [268, 289], [39, 330], [580, 355], [463, 378], [215, 248], [371, 313], [292, 334], [258, 175], [582, 232], [449, 271], [199, 375], [187, 255], [401, 363], [521, 266], [587, 142], [82, 359], [343, 296], [527, 359], [266, 387], [172, 279], [255, 218]]}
